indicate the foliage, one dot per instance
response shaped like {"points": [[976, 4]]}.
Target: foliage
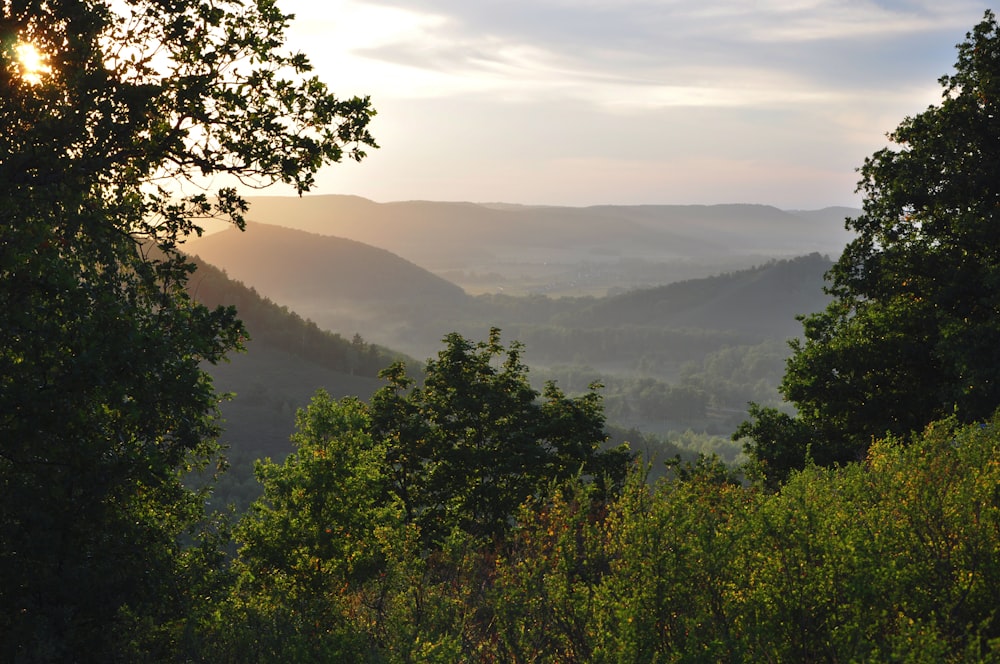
{"points": [[895, 558], [378, 534], [104, 406], [544, 589], [310, 537], [912, 333], [474, 441], [782, 443]]}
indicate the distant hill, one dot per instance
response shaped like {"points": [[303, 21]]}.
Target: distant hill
{"points": [[764, 299], [275, 327], [493, 247], [287, 359], [655, 331], [341, 284], [348, 286], [831, 216]]}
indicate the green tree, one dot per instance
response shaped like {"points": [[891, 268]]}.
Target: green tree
{"points": [[104, 406], [310, 538], [912, 334], [471, 443]]}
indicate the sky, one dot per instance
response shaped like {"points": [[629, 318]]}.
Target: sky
{"points": [[587, 102]]}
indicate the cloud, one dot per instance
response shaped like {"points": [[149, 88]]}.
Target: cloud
{"points": [[644, 53], [628, 100]]}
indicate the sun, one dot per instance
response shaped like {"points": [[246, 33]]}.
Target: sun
{"points": [[31, 62]]}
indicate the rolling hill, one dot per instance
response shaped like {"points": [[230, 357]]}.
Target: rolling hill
{"points": [[764, 300], [287, 359], [341, 284], [564, 250], [351, 287], [427, 232]]}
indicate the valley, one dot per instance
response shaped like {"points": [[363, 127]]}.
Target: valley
{"points": [[683, 314]]}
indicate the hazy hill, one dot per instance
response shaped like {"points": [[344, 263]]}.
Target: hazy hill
{"points": [[342, 284], [763, 299], [351, 287], [287, 359], [568, 250]]}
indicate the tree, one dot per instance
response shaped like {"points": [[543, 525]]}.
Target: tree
{"points": [[467, 447], [104, 406], [913, 333], [379, 534], [309, 538]]}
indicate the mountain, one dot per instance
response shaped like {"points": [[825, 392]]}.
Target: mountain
{"points": [[494, 247], [764, 300], [341, 284]]}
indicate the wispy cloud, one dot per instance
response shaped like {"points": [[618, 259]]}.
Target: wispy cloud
{"points": [[662, 52], [812, 85]]}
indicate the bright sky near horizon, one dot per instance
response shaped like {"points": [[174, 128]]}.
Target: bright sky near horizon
{"points": [[582, 102]]}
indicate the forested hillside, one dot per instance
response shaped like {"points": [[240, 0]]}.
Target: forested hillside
{"points": [[341, 284], [468, 509], [286, 360], [762, 300], [686, 356], [348, 286]]}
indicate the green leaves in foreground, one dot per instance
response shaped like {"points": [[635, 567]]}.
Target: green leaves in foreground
{"points": [[895, 558]]}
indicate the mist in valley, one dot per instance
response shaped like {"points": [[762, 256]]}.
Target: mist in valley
{"points": [[683, 313]]}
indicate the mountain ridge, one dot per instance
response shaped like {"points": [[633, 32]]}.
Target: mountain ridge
{"points": [[462, 235]]}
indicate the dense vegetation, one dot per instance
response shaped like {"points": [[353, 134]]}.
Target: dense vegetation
{"points": [[466, 516], [104, 405], [912, 332], [893, 559]]}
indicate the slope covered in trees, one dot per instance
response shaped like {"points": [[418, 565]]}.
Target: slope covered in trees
{"points": [[339, 283], [286, 359], [275, 326], [470, 517], [344, 285], [762, 300]]}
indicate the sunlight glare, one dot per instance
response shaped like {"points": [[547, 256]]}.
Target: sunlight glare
{"points": [[32, 63]]}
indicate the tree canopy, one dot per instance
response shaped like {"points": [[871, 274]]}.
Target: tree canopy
{"points": [[475, 440], [103, 403], [913, 332]]}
